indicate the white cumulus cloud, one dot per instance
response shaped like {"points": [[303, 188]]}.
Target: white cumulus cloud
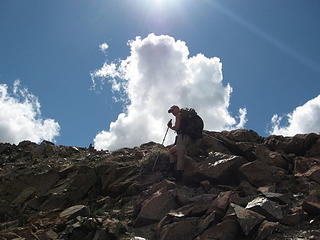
{"points": [[303, 119], [159, 73], [103, 47], [20, 117]]}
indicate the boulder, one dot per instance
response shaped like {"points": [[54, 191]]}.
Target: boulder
{"points": [[314, 151], [247, 188], [299, 144], [247, 219], [185, 229], [303, 164], [312, 174], [156, 207], [259, 173], [294, 217], [265, 229], [270, 157], [221, 203], [113, 174], [271, 210], [243, 135], [218, 167], [211, 143], [312, 208], [75, 211], [228, 229], [24, 195], [71, 189]]}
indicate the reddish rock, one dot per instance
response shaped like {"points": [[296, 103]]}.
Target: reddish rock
{"points": [[156, 207], [259, 173], [221, 203], [303, 164], [313, 174], [270, 157], [182, 230], [228, 229]]}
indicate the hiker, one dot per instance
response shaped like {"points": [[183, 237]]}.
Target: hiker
{"points": [[188, 126]]}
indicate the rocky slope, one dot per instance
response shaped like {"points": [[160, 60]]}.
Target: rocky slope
{"points": [[237, 185]]}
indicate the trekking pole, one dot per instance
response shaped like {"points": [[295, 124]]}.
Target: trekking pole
{"points": [[155, 162], [165, 136]]}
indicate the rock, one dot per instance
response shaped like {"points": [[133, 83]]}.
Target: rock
{"points": [[114, 226], [182, 230], [313, 174], [207, 220], [52, 235], [247, 219], [156, 207], [244, 182], [213, 144], [259, 173], [294, 217], [75, 211], [271, 210], [115, 178], [270, 157], [278, 197], [100, 234], [299, 144], [164, 185], [247, 188], [219, 167], [265, 229], [196, 209], [7, 211], [24, 195], [228, 229], [311, 208], [221, 203], [314, 151], [303, 164], [244, 135]]}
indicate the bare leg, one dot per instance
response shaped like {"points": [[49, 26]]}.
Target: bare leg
{"points": [[173, 154], [180, 157]]}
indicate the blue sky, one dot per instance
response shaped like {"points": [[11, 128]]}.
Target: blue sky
{"points": [[269, 52]]}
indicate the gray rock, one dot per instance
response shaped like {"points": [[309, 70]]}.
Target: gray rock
{"points": [[265, 229], [75, 211], [271, 210], [247, 219]]}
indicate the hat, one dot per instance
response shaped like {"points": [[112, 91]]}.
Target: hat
{"points": [[171, 108]]}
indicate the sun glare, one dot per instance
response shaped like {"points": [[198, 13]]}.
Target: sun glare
{"points": [[162, 3]]}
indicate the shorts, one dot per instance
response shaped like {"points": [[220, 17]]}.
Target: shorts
{"points": [[183, 141]]}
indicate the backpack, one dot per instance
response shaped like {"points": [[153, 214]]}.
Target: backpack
{"points": [[191, 123]]}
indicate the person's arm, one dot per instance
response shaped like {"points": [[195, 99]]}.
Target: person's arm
{"points": [[177, 123]]}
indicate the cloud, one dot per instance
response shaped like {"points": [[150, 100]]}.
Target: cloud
{"points": [[159, 73], [103, 47], [303, 119], [20, 117]]}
